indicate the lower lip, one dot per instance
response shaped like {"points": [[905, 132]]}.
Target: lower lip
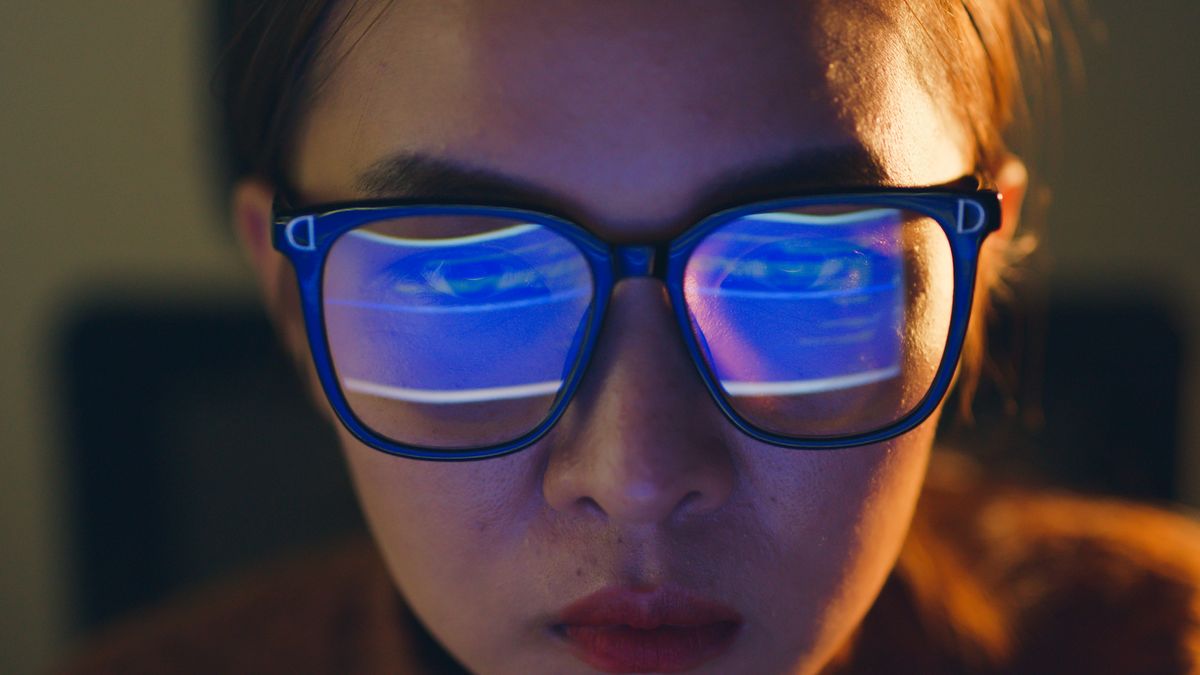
{"points": [[666, 649]]}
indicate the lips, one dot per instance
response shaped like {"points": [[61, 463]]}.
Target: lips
{"points": [[626, 630]]}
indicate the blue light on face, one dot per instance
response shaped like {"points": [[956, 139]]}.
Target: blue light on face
{"points": [[485, 317], [792, 303]]}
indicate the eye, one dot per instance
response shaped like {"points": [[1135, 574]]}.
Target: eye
{"points": [[472, 275], [804, 266]]}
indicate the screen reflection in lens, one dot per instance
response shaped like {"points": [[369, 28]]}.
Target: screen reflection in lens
{"points": [[451, 331], [822, 321]]}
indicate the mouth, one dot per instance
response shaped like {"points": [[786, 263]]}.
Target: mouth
{"points": [[627, 630]]}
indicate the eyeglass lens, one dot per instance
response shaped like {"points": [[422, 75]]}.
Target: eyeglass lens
{"points": [[822, 321], [452, 331]]}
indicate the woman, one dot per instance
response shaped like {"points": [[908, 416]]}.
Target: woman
{"points": [[678, 288]]}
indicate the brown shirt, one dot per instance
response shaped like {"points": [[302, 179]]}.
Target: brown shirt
{"points": [[992, 579]]}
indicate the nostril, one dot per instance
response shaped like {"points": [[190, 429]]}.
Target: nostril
{"points": [[689, 499], [589, 505]]}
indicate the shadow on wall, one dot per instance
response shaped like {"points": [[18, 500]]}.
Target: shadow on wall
{"points": [[1094, 400], [193, 450]]}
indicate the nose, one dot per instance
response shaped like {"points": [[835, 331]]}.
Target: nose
{"points": [[641, 442]]}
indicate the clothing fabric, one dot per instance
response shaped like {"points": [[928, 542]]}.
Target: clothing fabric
{"points": [[993, 578]]}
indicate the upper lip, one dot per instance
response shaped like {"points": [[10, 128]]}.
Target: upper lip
{"points": [[646, 609]]}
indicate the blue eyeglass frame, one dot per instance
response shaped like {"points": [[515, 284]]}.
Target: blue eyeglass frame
{"points": [[965, 212]]}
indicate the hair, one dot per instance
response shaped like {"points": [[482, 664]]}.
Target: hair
{"points": [[995, 57]]}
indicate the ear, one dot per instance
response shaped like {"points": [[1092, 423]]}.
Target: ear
{"points": [[252, 202], [1011, 182], [1004, 245]]}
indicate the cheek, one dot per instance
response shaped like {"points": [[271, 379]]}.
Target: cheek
{"points": [[447, 513], [452, 535], [836, 521]]}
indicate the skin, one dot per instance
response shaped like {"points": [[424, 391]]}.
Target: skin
{"points": [[625, 115]]}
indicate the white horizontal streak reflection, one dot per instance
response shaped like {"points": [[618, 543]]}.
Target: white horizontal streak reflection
{"points": [[453, 241], [814, 386], [465, 308], [452, 395], [798, 295], [820, 219]]}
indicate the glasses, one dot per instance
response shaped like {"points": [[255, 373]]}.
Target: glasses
{"points": [[452, 331]]}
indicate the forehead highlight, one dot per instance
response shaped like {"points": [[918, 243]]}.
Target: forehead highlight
{"points": [[886, 71]]}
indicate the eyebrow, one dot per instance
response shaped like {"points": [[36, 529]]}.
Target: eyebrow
{"points": [[417, 175]]}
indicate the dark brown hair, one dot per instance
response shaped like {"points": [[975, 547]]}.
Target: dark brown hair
{"points": [[262, 78], [992, 53]]}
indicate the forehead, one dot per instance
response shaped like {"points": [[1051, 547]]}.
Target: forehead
{"points": [[627, 110]]}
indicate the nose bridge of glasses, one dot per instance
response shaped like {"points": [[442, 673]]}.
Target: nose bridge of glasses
{"points": [[640, 260]]}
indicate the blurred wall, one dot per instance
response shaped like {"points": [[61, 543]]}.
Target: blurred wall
{"points": [[1122, 167], [104, 184]]}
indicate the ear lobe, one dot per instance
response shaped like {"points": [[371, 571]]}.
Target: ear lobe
{"points": [[1011, 181]]}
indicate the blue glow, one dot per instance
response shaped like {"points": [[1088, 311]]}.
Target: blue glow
{"points": [[786, 304], [800, 303], [488, 316]]}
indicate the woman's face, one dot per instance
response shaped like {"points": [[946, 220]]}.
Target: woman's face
{"points": [[634, 118]]}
